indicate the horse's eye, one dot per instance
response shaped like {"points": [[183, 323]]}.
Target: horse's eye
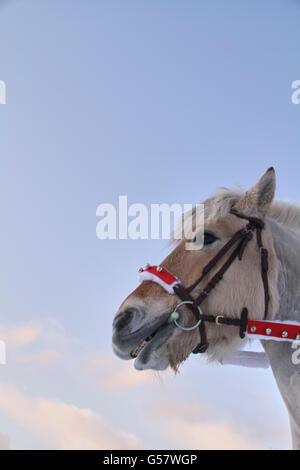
{"points": [[209, 238]]}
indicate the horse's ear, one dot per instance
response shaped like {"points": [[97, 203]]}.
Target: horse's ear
{"points": [[258, 199]]}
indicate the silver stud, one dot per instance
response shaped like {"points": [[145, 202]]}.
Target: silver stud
{"points": [[284, 334], [147, 266], [268, 331], [253, 329], [298, 337], [141, 270], [159, 269]]}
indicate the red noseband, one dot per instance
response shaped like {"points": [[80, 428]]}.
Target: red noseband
{"points": [[159, 275]]}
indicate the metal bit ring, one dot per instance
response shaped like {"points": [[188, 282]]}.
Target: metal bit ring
{"points": [[183, 327]]}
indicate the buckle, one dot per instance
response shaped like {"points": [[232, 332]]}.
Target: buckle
{"points": [[218, 318]]}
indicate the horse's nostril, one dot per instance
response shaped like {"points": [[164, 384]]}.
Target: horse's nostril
{"points": [[125, 318]]}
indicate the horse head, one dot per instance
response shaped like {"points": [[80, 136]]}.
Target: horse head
{"points": [[143, 328]]}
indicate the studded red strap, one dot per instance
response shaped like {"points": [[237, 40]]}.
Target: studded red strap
{"points": [[273, 330]]}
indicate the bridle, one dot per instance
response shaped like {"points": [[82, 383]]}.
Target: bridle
{"points": [[239, 242], [275, 330]]}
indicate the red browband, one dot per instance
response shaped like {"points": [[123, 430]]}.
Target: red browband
{"points": [[259, 329]]}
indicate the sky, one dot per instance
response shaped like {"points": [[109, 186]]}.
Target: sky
{"points": [[163, 102]]}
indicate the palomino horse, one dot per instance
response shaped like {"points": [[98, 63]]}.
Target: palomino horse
{"points": [[144, 327]]}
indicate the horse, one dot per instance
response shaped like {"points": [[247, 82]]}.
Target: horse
{"points": [[146, 330]]}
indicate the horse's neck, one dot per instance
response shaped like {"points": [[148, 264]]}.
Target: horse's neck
{"points": [[287, 248], [285, 369]]}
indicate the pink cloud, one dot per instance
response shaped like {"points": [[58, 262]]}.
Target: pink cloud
{"points": [[47, 337], [43, 358], [16, 337], [48, 330], [63, 425], [188, 427], [110, 373]]}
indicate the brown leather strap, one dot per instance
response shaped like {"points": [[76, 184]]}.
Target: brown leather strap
{"points": [[219, 275], [184, 295], [219, 255], [264, 269]]}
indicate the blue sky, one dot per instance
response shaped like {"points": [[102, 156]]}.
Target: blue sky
{"points": [[164, 102]]}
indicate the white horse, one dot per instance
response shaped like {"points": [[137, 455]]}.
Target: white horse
{"points": [[142, 328]]}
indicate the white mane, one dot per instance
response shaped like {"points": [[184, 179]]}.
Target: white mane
{"points": [[283, 212], [219, 205]]}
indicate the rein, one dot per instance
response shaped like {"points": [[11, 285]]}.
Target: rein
{"points": [[259, 328]]}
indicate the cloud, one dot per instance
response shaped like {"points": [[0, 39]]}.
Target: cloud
{"points": [[4, 442], [44, 341], [188, 427], [16, 337], [43, 358], [63, 425], [46, 330], [112, 374], [53, 332]]}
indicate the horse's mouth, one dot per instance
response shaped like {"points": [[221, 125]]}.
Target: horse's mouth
{"points": [[144, 344], [135, 352], [148, 351], [158, 333]]}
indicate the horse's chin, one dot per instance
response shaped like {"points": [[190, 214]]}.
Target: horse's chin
{"points": [[155, 359], [154, 355]]}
